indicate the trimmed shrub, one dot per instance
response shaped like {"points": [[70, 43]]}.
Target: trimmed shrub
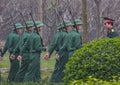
{"points": [[94, 81], [99, 59]]}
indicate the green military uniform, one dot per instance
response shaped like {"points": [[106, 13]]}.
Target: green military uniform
{"points": [[58, 74], [71, 42], [38, 73], [34, 47], [76, 40], [56, 43], [112, 33], [25, 55], [10, 44]]}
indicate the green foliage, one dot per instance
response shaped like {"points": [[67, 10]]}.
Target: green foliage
{"points": [[99, 59], [94, 81]]}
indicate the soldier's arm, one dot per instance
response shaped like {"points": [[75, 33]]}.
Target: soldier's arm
{"points": [[38, 45], [7, 45], [16, 48]]}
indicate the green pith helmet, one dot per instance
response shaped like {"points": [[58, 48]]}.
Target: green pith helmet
{"points": [[19, 26], [78, 22], [59, 26], [68, 23], [39, 23], [30, 23]]}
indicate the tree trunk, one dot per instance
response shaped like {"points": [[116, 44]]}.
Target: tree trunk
{"points": [[84, 18], [40, 10], [40, 17], [97, 2]]}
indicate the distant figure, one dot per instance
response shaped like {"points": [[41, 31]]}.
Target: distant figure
{"points": [[111, 30]]}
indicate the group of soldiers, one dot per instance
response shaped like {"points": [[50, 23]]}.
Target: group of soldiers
{"points": [[25, 47]]}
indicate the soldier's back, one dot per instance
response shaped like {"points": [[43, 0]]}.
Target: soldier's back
{"points": [[14, 40]]}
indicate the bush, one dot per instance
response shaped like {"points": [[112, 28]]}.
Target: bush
{"points": [[99, 59], [94, 81]]}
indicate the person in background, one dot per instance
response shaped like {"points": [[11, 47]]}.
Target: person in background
{"points": [[111, 29]]}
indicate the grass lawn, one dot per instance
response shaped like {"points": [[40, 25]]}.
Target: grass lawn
{"points": [[47, 67]]}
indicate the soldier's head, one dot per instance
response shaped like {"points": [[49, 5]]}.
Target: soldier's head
{"points": [[39, 26], [19, 28], [108, 23], [30, 25], [69, 25], [78, 24]]}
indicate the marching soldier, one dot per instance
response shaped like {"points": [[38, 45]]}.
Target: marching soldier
{"points": [[71, 43], [10, 44], [25, 56], [55, 44], [111, 30], [63, 55], [34, 48], [76, 39]]}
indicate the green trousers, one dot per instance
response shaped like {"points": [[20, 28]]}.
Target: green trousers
{"points": [[14, 67], [23, 69], [33, 72], [58, 74]]}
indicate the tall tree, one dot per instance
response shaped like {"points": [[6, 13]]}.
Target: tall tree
{"points": [[84, 18], [40, 10], [97, 2]]}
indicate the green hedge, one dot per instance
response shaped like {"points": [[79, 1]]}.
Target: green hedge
{"points": [[94, 81], [99, 59]]}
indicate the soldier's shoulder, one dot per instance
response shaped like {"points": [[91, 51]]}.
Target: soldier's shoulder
{"points": [[35, 35], [12, 34]]}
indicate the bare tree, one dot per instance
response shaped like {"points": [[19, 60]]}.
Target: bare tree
{"points": [[46, 10], [97, 2], [84, 16]]}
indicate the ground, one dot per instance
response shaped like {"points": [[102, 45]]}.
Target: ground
{"points": [[47, 67]]}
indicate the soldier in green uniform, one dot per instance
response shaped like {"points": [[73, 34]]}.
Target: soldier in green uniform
{"points": [[71, 43], [10, 44], [55, 41], [55, 44], [34, 47], [25, 55], [76, 39], [111, 29], [62, 58]]}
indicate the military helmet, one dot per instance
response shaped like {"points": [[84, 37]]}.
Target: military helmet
{"points": [[68, 23], [39, 23], [19, 25], [78, 22], [30, 23], [60, 25]]}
